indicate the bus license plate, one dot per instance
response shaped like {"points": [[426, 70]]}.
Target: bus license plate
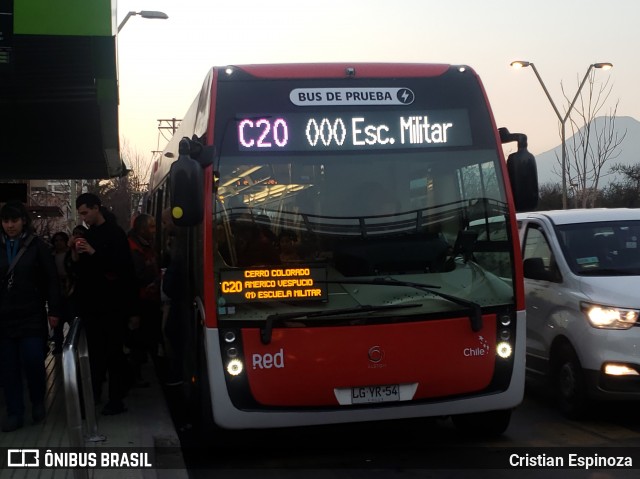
{"points": [[375, 394]]}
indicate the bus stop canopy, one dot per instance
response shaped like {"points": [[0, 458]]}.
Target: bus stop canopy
{"points": [[58, 90]]}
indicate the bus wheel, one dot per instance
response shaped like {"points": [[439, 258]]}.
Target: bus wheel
{"points": [[569, 384], [483, 424]]}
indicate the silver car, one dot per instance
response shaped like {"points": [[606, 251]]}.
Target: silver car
{"points": [[582, 286]]}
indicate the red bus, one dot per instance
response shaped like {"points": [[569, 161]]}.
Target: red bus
{"points": [[351, 246]]}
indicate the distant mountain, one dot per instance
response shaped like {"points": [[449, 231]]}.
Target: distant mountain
{"points": [[629, 152]]}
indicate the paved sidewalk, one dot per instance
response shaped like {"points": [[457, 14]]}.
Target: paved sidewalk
{"points": [[146, 424]]}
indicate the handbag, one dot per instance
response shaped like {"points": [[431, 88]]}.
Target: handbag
{"points": [[8, 280]]}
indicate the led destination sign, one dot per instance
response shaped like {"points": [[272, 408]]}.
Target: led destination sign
{"points": [[273, 284], [320, 131]]}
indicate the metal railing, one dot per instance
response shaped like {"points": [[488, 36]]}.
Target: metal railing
{"points": [[75, 366]]}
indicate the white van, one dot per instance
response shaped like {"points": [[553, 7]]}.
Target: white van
{"points": [[582, 286]]}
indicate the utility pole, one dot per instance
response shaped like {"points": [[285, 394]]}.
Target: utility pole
{"points": [[169, 124]]}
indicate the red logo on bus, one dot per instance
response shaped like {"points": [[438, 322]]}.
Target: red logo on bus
{"points": [[376, 354]]}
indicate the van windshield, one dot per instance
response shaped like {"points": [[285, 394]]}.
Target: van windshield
{"points": [[601, 249]]}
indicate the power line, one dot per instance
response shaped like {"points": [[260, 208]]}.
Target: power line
{"points": [[164, 125], [170, 124]]}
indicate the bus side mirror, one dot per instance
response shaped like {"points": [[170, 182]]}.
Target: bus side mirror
{"points": [[523, 175], [523, 172], [186, 188]]}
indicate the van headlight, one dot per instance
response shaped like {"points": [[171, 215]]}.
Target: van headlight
{"points": [[609, 317]]}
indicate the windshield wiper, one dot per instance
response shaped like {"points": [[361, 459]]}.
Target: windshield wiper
{"points": [[267, 329], [475, 315]]}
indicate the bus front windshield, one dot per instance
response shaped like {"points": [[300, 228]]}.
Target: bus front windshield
{"points": [[325, 232]]}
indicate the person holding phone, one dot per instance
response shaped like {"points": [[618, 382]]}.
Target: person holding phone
{"points": [[105, 296]]}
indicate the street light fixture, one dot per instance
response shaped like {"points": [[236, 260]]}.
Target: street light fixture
{"points": [[563, 120], [143, 14]]}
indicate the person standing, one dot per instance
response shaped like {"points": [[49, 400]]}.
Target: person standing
{"points": [[60, 242], [145, 340], [105, 296], [29, 297]]}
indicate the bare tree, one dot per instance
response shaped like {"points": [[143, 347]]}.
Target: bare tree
{"points": [[122, 195], [625, 192], [45, 225], [139, 172], [594, 141], [139, 167], [631, 175], [550, 197]]}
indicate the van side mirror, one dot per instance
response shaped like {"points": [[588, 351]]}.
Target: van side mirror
{"points": [[533, 268]]}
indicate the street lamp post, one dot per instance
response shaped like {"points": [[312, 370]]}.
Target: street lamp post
{"points": [[563, 120], [151, 14], [143, 14]]}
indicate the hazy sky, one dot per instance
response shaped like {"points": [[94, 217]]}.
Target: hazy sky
{"points": [[162, 63]]}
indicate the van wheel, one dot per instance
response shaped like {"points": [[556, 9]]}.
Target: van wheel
{"points": [[483, 424], [570, 384]]}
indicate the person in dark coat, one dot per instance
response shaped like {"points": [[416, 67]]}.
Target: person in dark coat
{"points": [[145, 340], [29, 297], [60, 252], [105, 296]]}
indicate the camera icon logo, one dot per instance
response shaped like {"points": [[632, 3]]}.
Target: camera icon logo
{"points": [[23, 457]]}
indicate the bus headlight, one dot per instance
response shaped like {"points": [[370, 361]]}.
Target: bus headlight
{"points": [[235, 367], [609, 317], [504, 350]]}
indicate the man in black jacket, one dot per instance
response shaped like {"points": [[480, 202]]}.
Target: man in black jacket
{"points": [[105, 297]]}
